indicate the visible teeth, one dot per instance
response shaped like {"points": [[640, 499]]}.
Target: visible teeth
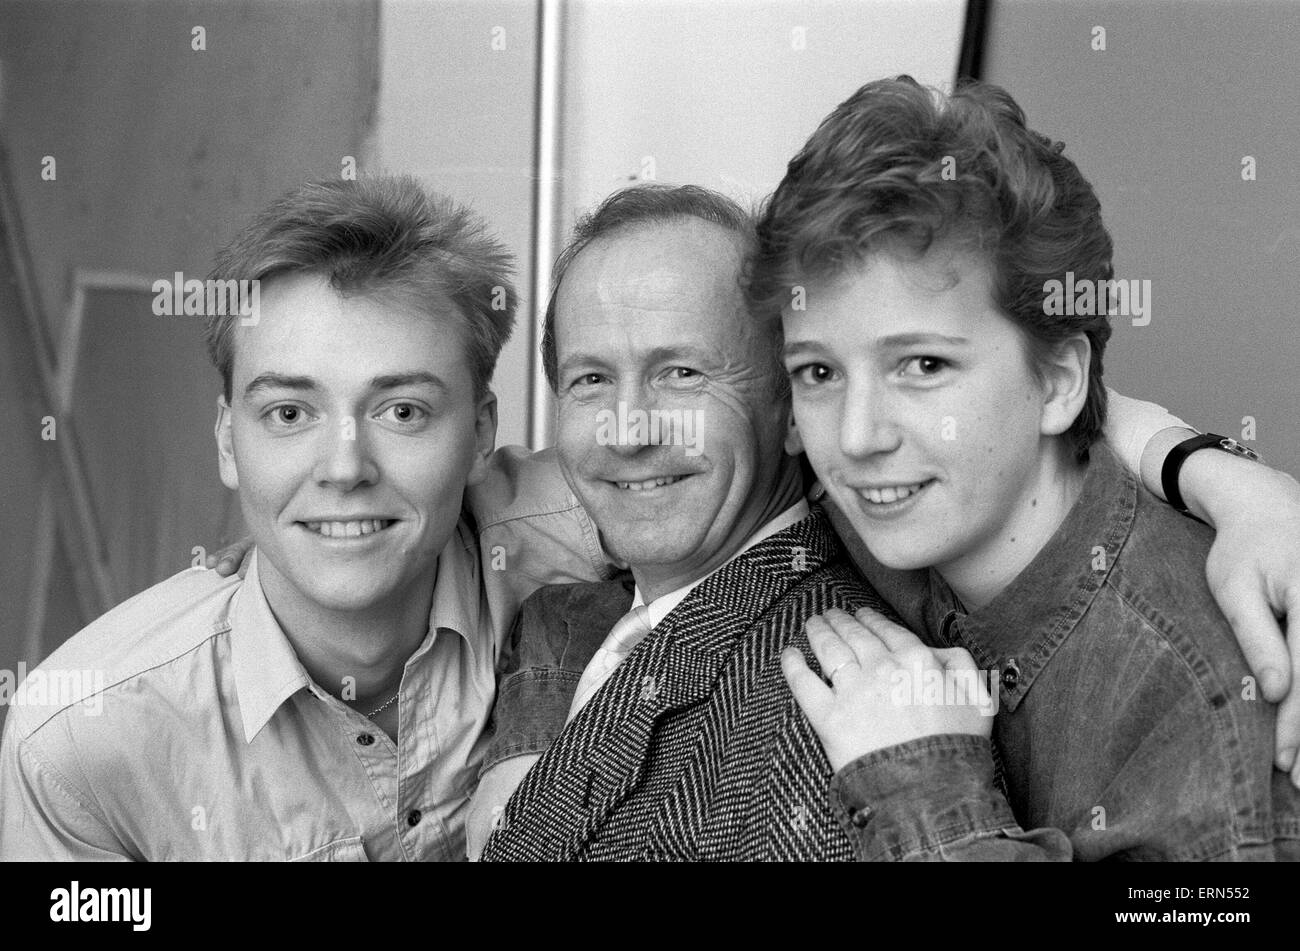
{"points": [[649, 483], [891, 493], [366, 526]]}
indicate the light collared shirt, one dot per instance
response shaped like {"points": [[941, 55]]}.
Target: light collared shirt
{"points": [[182, 726]]}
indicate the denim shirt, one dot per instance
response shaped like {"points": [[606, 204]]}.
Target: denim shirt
{"points": [[1129, 726]]}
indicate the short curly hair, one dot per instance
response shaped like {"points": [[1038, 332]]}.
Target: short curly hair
{"points": [[898, 169]]}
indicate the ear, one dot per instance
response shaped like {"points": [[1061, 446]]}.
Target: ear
{"points": [[1065, 384], [226, 445], [485, 433], [793, 441]]}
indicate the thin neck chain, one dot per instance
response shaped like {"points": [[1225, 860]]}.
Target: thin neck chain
{"points": [[388, 703]]}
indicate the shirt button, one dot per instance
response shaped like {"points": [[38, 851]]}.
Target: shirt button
{"points": [[860, 817], [366, 739], [413, 817], [1010, 675]]}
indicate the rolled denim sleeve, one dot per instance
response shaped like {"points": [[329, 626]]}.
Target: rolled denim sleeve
{"points": [[934, 799], [532, 706], [555, 635]]}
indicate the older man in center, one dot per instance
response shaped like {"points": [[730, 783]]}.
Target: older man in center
{"points": [[686, 744]]}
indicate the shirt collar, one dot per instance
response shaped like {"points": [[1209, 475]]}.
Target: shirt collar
{"points": [[663, 605], [1019, 631], [267, 671]]}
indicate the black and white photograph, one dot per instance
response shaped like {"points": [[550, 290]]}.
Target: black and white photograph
{"points": [[651, 431]]}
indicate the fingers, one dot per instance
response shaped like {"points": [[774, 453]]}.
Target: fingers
{"points": [[895, 637], [1288, 713], [1246, 607], [231, 559], [865, 647], [828, 645], [223, 561], [810, 691]]}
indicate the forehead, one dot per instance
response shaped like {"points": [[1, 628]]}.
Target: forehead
{"points": [[307, 327], [886, 289], [659, 284]]}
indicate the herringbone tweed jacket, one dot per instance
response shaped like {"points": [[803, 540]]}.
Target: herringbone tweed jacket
{"points": [[695, 748]]}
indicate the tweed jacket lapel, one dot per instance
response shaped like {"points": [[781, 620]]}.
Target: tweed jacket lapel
{"points": [[600, 757]]}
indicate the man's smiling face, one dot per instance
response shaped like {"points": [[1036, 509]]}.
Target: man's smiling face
{"points": [[652, 317], [352, 432]]}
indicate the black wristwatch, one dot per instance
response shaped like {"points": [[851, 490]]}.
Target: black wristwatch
{"points": [[1178, 455]]}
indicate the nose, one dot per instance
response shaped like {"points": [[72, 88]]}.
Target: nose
{"points": [[345, 460], [632, 422], [868, 423]]}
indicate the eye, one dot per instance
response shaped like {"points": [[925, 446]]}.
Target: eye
{"points": [[924, 366], [406, 414], [587, 379], [812, 374], [681, 373], [286, 415]]}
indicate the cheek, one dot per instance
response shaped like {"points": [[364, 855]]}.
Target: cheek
{"points": [[997, 408], [817, 422], [432, 468], [270, 471], [576, 428]]}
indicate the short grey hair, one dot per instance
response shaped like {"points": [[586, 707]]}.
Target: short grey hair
{"points": [[647, 203]]}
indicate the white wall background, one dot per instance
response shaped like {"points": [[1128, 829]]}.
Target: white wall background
{"points": [[458, 114], [1159, 122]]}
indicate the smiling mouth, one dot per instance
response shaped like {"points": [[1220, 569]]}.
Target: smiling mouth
{"points": [[353, 529], [887, 495], [648, 484]]}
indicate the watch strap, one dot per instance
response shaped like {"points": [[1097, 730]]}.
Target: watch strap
{"points": [[1173, 464]]}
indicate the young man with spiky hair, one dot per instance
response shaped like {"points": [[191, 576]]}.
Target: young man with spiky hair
{"points": [[954, 416], [331, 705]]}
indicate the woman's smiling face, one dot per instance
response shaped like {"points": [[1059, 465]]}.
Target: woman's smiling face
{"points": [[918, 406]]}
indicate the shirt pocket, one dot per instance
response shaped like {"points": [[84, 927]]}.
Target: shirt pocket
{"points": [[340, 850]]}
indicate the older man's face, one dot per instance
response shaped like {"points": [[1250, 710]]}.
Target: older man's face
{"points": [[669, 430]]}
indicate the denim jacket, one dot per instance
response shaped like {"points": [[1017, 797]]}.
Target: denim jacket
{"points": [[1129, 726]]}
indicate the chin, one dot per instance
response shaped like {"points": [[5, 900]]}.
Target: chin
{"points": [[902, 559], [901, 552], [668, 548], [347, 591]]}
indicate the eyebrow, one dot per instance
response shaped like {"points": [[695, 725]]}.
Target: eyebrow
{"points": [[794, 347], [388, 381], [916, 339], [393, 381], [656, 355]]}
